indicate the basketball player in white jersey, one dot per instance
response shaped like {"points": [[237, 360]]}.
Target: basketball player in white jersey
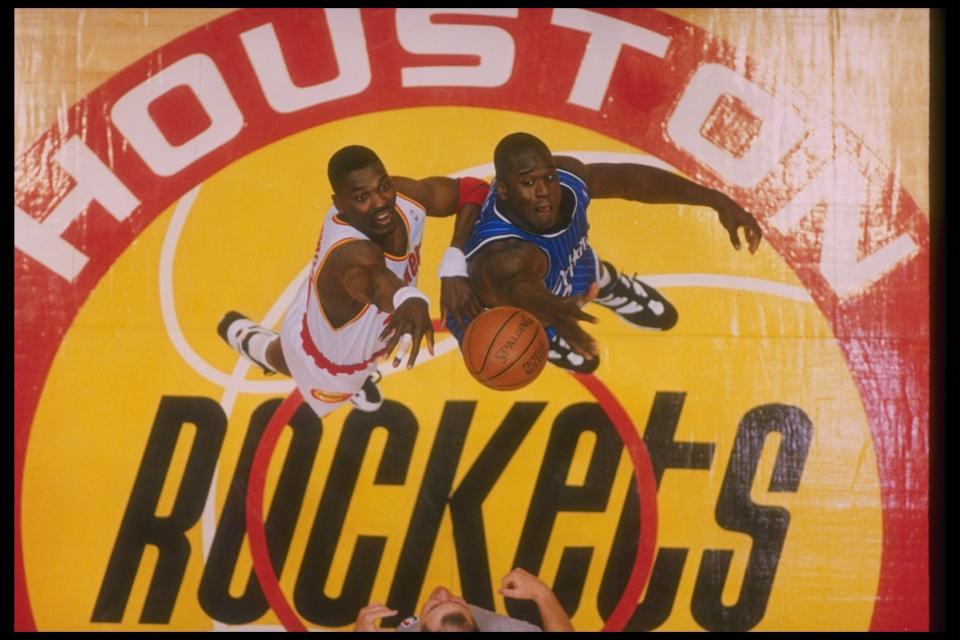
{"points": [[360, 300]]}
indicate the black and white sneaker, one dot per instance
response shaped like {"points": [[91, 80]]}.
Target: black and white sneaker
{"points": [[564, 357], [368, 398], [237, 330], [636, 302]]}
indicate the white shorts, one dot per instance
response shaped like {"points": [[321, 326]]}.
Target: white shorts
{"points": [[323, 390]]}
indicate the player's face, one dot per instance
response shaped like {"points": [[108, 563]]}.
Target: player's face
{"points": [[439, 605], [532, 190], [368, 200]]}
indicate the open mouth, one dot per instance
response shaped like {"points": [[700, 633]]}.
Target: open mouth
{"points": [[382, 218]]}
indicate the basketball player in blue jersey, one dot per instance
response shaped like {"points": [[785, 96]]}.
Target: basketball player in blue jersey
{"points": [[529, 246]]}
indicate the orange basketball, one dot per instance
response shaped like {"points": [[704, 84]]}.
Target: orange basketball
{"points": [[505, 348]]}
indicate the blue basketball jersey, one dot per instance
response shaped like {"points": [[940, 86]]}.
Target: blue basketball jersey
{"points": [[572, 264]]}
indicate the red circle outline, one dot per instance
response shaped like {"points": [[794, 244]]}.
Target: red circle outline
{"points": [[643, 476]]}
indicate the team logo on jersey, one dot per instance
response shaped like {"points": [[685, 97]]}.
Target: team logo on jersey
{"points": [[329, 396]]}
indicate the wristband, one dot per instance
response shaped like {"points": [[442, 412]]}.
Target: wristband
{"points": [[453, 264], [403, 294], [472, 191]]}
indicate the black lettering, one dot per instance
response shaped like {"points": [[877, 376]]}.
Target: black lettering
{"points": [[285, 507], [552, 495], [665, 453], [467, 501], [767, 525], [309, 596], [465, 505], [142, 526], [428, 510]]}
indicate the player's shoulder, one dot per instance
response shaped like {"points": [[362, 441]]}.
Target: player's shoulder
{"points": [[436, 195], [572, 168], [411, 189]]}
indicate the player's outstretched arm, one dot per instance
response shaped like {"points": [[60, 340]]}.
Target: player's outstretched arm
{"points": [[440, 197], [510, 272], [643, 183], [361, 268], [523, 585]]}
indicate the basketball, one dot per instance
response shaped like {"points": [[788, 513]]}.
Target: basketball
{"points": [[505, 348]]}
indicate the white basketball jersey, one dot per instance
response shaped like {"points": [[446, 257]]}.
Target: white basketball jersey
{"points": [[353, 346]]}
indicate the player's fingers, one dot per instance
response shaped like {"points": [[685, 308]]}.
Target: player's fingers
{"points": [[415, 340], [392, 342], [391, 327], [753, 237], [588, 346], [583, 345], [473, 306], [734, 238], [402, 343], [428, 332], [376, 607]]}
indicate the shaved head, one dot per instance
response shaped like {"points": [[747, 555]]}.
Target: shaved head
{"points": [[512, 147]]}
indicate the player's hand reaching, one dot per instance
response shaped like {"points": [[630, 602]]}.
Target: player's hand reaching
{"points": [[564, 314], [733, 217], [458, 301], [407, 327]]}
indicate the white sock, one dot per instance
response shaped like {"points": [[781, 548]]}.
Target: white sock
{"points": [[259, 342], [256, 346]]}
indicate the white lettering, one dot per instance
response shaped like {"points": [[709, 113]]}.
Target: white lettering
{"points": [[349, 49], [494, 46], [199, 73], [607, 37], [781, 128], [94, 181], [844, 191]]}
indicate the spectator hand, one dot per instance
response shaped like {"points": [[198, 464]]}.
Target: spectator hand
{"points": [[368, 616], [520, 584]]}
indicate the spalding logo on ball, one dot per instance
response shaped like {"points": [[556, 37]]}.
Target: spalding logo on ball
{"points": [[505, 348]]}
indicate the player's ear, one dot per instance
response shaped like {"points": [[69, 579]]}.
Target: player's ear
{"points": [[501, 190]]}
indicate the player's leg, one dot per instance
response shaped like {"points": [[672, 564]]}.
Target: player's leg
{"points": [[256, 343], [323, 389], [633, 300]]}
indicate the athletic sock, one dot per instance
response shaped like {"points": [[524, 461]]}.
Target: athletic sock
{"points": [[251, 340]]}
